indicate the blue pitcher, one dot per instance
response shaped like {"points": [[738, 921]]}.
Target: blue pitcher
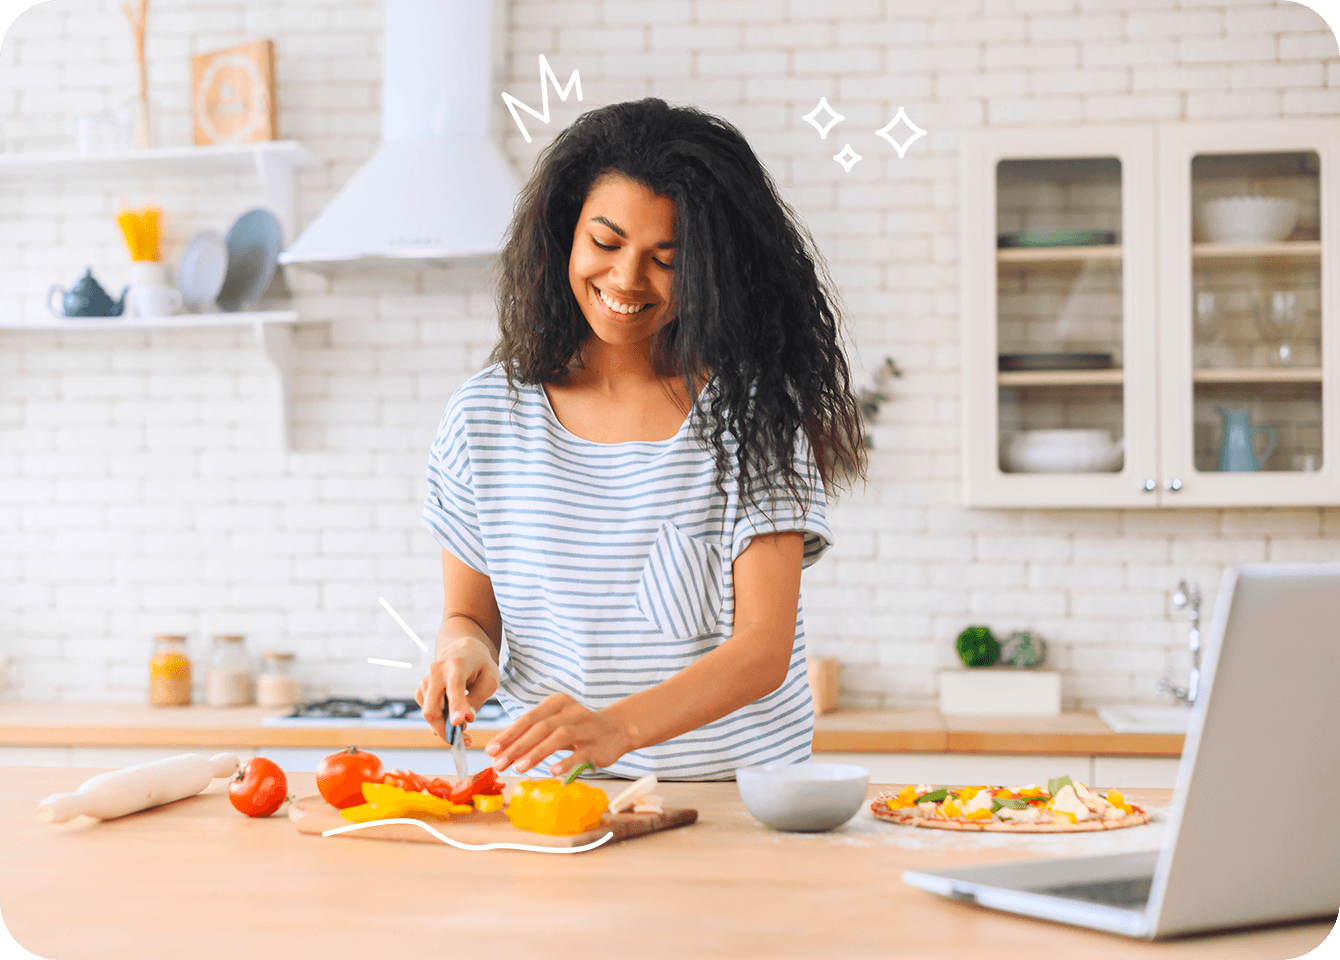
{"points": [[1237, 454]]}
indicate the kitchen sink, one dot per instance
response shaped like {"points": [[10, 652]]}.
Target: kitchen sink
{"points": [[1151, 718]]}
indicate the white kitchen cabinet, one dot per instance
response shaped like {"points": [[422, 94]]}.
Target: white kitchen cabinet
{"points": [[1010, 769], [1094, 300], [435, 763]]}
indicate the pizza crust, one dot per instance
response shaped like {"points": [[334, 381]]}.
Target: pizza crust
{"points": [[881, 811]]}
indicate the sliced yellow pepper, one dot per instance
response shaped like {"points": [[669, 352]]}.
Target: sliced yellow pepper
{"points": [[385, 796], [386, 810], [488, 802], [550, 807], [949, 809], [1118, 801], [1058, 814], [983, 814]]}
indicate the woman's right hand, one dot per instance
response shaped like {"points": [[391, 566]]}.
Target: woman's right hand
{"points": [[464, 664]]}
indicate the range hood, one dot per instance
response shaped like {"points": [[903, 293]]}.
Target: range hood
{"points": [[439, 190]]}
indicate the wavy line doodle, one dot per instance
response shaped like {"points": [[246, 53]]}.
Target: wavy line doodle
{"points": [[468, 846]]}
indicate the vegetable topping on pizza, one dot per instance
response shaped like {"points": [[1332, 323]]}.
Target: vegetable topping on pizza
{"points": [[1064, 805]]}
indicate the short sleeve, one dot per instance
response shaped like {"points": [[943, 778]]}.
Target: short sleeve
{"points": [[449, 510], [777, 511]]}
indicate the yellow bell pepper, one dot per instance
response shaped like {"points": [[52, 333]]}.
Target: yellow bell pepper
{"points": [[550, 807], [1118, 801], [906, 797], [488, 802]]}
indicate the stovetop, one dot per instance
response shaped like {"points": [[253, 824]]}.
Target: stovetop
{"points": [[356, 712]]}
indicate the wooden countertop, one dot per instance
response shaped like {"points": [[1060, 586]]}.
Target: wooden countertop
{"points": [[197, 879], [883, 731]]}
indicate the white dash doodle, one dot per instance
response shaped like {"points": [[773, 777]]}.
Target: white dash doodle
{"points": [[390, 663], [403, 625], [546, 72], [467, 846]]}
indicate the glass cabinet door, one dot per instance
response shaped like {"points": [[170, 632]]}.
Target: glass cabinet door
{"points": [[1058, 297], [1059, 313], [1248, 386]]}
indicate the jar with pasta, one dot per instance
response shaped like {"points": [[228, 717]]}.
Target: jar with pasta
{"points": [[169, 672]]}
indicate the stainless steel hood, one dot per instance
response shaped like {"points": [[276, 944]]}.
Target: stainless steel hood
{"points": [[439, 190]]}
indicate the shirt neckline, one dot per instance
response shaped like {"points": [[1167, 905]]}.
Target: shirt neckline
{"points": [[549, 409]]}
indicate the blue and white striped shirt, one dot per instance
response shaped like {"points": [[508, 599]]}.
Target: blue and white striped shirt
{"points": [[611, 566]]}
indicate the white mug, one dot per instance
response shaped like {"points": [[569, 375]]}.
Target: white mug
{"points": [[154, 301]]}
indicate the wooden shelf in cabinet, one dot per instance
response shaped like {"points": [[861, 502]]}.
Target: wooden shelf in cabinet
{"points": [[1281, 375], [1284, 249], [1061, 378], [1029, 255]]}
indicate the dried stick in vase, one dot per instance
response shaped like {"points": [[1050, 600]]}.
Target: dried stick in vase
{"points": [[137, 19]]}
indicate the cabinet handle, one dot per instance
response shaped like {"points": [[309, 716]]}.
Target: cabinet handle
{"points": [[1149, 486], [1174, 484]]}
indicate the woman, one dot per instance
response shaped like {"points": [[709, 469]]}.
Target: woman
{"points": [[631, 490]]}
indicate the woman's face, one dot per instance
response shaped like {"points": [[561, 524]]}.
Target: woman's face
{"points": [[622, 255]]}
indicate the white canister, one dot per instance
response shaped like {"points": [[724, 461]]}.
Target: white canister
{"points": [[229, 674]]}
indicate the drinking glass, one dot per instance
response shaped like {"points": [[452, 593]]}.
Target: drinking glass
{"points": [[1280, 316]]}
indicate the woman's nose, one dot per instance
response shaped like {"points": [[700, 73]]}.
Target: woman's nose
{"points": [[626, 272]]}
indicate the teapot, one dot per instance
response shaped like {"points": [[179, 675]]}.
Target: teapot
{"points": [[1237, 453], [85, 299]]}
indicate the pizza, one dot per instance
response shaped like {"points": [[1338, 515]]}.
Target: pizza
{"points": [[1063, 806]]}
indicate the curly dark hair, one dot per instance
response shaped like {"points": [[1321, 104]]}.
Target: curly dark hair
{"points": [[753, 303]]}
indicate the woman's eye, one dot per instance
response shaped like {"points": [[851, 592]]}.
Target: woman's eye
{"points": [[606, 246]]}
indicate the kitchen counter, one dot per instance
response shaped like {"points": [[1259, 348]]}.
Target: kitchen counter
{"points": [[197, 879], [906, 731]]}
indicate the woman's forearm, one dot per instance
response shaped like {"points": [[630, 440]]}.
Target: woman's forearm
{"points": [[461, 626], [735, 674]]}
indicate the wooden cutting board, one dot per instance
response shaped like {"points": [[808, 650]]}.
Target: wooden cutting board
{"points": [[314, 815]]}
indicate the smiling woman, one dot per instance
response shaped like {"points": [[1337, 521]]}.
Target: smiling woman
{"points": [[631, 490]]}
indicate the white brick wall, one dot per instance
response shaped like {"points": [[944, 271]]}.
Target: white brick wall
{"points": [[141, 488]]}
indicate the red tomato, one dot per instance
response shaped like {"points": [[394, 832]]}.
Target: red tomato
{"points": [[482, 784], [440, 787], [340, 777], [259, 789]]}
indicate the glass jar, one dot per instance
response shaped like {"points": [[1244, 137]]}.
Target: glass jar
{"points": [[229, 674], [169, 672], [275, 687]]}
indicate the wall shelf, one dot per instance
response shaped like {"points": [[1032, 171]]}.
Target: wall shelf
{"points": [[1061, 378], [274, 163], [1110, 251], [272, 329], [1267, 375], [1284, 249]]}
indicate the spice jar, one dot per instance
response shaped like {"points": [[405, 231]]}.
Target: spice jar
{"points": [[169, 672], [229, 674], [276, 688]]}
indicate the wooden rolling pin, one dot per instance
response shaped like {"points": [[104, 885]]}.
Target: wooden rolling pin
{"points": [[119, 792]]}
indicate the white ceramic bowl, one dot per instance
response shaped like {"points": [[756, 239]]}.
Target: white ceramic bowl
{"points": [[1248, 219], [1062, 451], [803, 797]]}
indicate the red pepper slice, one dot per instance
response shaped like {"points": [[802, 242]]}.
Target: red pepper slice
{"points": [[483, 783]]}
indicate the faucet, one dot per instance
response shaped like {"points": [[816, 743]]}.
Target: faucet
{"points": [[1187, 596]]}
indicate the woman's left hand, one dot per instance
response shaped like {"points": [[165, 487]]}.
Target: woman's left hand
{"points": [[560, 723]]}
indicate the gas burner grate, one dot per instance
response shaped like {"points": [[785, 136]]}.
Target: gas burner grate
{"points": [[355, 708]]}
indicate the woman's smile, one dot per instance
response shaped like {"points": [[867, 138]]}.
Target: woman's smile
{"points": [[620, 308]]}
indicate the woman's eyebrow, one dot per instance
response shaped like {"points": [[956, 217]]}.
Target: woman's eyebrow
{"points": [[663, 245]]}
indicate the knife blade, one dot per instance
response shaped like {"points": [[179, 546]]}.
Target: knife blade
{"points": [[456, 740]]}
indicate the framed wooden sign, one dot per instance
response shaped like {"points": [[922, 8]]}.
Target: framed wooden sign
{"points": [[233, 94]]}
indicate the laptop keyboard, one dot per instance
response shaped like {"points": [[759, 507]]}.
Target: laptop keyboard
{"points": [[1125, 892]]}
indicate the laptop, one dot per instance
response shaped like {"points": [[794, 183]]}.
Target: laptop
{"points": [[1262, 739]]}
